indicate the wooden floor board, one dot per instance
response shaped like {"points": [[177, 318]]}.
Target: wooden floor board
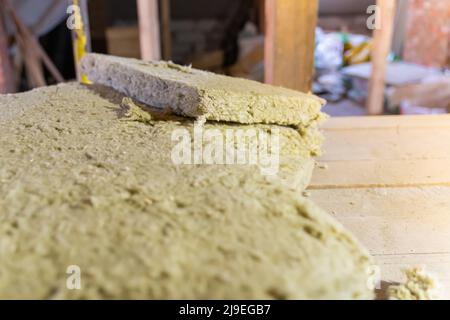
{"points": [[387, 144], [393, 221], [382, 173], [387, 179], [383, 122]]}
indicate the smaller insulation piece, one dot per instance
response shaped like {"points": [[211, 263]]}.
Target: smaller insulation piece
{"points": [[419, 285], [194, 93]]}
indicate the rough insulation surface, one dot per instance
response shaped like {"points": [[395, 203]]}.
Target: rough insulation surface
{"points": [[87, 181], [419, 285], [191, 92]]}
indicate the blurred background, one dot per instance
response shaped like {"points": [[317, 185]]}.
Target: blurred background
{"points": [[229, 37]]}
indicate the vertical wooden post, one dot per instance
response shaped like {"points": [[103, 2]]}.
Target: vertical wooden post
{"points": [[289, 43], [261, 7], [382, 38], [33, 52], [149, 29], [7, 83], [165, 30]]}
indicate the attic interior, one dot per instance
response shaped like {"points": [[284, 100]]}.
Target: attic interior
{"points": [[225, 149], [227, 37]]}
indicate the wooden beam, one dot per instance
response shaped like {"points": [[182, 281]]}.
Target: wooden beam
{"points": [[261, 11], [289, 45], [382, 39], [7, 83], [166, 40], [149, 29], [24, 39], [33, 52]]}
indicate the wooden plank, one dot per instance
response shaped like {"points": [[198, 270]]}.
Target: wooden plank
{"points": [[289, 44], [401, 236], [166, 41], [391, 153], [382, 173], [393, 220], [149, 29], [418, 202], [261, 12], [34, 72], [33, 52], [6, 71], [388, 144], [388, 182], [401, 227], [382, 38], [383, 122]]}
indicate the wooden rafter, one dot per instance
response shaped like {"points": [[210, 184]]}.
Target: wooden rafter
{"points": [[6, 70], [289, 46], [148, 15], [382, 38]]}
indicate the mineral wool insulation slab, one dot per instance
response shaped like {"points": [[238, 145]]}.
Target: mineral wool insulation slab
{"points": [[191, 92], [85, 182]]}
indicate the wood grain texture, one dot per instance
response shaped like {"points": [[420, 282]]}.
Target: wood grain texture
{"points": [[166, 37], [393, 220], [387, 144], [149, 29], [395, 153], [6, 71], [382, 38], [383, 122], [387, 179], [34, 54], [382, 173], [289, 46]]}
